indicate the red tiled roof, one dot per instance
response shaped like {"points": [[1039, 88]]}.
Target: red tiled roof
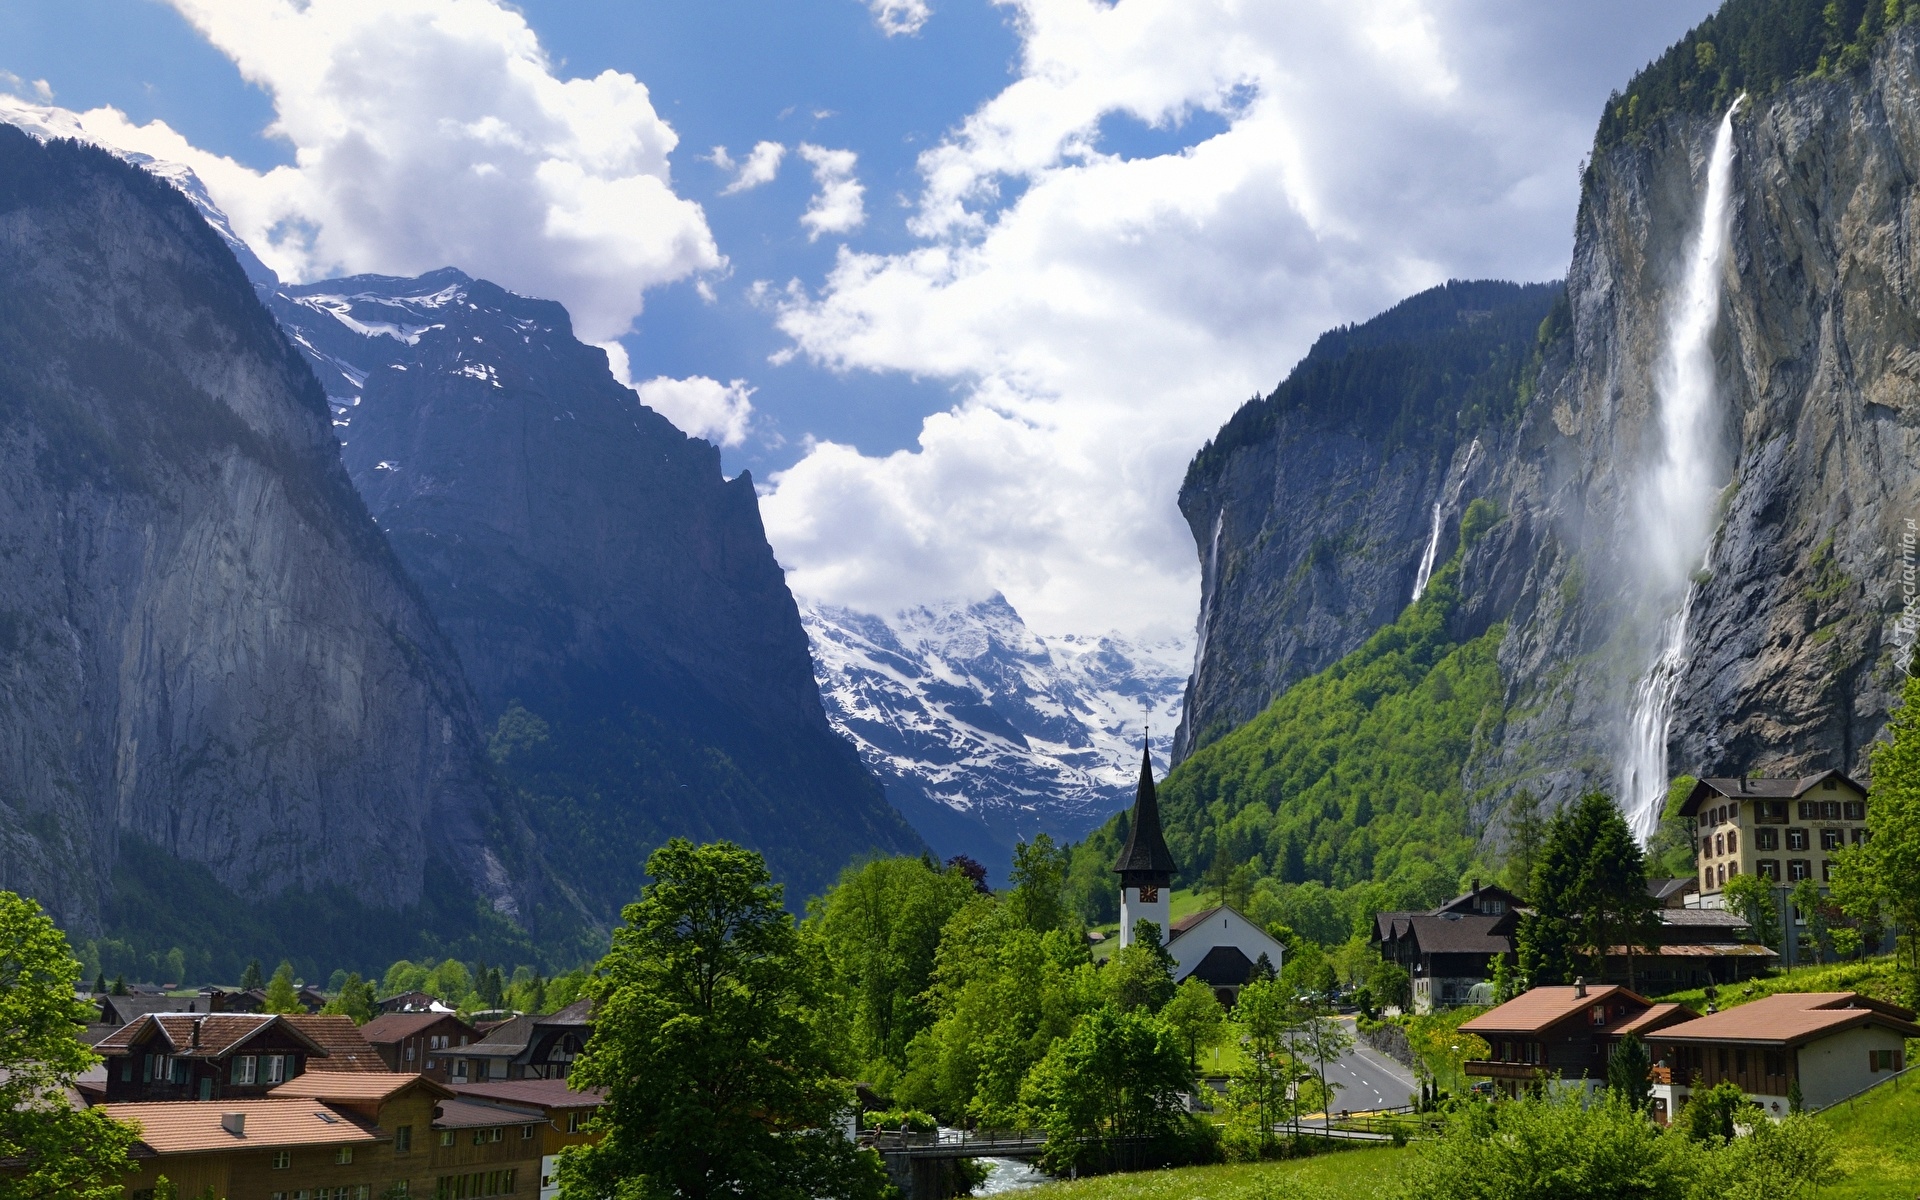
{"points": [[196, 1036], [345, 1048], [343, 1087], [397, 1026], [1788, 1018], [186, 1126], [543, 1093], [1658, 1017], [1543, 1007]]}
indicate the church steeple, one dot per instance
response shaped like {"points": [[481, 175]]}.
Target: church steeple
{"points": [[1146, 854], [1146, 867]]}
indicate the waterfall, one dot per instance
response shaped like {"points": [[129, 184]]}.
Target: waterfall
{"points": [[1676, 501], [1449, 495], [1426, 560]]}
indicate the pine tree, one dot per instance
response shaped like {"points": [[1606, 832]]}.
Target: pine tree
{"points": [[252, 977], [1628, 1073]]}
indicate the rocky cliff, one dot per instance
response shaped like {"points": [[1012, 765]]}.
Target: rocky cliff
{"points": [[639, 661], [210, 653], [1793, 646]]}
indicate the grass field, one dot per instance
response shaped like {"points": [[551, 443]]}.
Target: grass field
{"points": [[1879, 1137], [1339, 1175], [1874, 977]]}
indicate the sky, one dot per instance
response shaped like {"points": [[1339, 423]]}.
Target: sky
{"points": [[963, 283]]}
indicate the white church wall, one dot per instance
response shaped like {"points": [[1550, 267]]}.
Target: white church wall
{"points": [[1223, 927]]}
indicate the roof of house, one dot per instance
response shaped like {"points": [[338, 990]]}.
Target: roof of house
{"points": [[119, 1010], [468, 1114], [210, 1035], [1787, 1018], [346, 1087], [1711, 790], [508, 1038], [336, 1034], [1697, 950], [1664, 890], [1471, 900], [540, 1093], [1658, 1017], [1146, 849], [1544, 1007], [1458, 933], [187, 1126], [1702, 918], [414, 1002], [580, 1012], [388, 1028]]}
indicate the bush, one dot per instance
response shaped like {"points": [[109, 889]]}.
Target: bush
{"points": [[899, 1120]]}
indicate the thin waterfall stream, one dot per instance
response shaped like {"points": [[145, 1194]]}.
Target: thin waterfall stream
{"points": [[1676, 501], [1449, 495]]}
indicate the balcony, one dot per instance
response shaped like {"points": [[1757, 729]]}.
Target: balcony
{"points": [[1501, 1070]]}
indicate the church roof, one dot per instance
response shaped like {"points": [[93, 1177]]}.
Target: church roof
{"points": [[1146, 848]]}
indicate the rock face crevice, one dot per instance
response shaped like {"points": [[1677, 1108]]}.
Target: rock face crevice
{"points": [[204, 641], [1794, 652]]}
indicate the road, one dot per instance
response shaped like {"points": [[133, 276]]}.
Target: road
{"points": [[1364, 1078]]}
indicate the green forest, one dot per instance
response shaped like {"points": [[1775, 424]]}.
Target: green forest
{"points": [[1750, 46], [1344, 797]]}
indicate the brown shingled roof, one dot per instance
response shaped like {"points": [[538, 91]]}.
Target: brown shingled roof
{"points": [[544, 1093], [396, 1026], [340, 1038], [1543, 1007], [217, 1033], [468, 1114], [1788, 1018], [187, 1126], [353, 1086]]}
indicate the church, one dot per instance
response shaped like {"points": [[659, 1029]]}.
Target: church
{"points": [[1218, 946]]}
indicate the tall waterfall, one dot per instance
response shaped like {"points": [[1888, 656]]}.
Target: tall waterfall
{"points": [[1449, 495], [1675, 508]]}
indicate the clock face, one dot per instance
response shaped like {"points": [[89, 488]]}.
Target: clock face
{"points": [[1149, 895]]}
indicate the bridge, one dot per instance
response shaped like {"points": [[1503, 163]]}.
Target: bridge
{"points": [[923, 1165]]}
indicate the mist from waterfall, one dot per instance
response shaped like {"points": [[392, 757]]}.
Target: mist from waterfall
{"points": [[1675, 507]]}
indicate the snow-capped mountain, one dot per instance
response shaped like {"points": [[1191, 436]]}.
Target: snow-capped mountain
{"points": [[985, 732]]}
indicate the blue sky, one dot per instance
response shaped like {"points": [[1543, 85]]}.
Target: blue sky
{"points": [[1085, 230]]}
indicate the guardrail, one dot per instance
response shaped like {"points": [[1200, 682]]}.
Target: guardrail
{"points": [[1875, 1086]]}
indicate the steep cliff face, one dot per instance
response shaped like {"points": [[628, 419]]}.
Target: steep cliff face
{"points": [[611, 594], [1315, 508], [1793, 646], [208, 647]]}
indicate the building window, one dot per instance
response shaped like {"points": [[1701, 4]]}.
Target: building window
{"points": [[1830, 839], [276, 1068], [282, 1159], [1721, 871], [1719, 844], [411, 1049], [243, 1069], [1798, 869], [1855, 810], [446, 1137], [1809, 810], [575, 1121], [1859, 836], [343, 1156], [1494, 908], [526, 1133], [499, 1133], [1883, 1060], [1769, 869], [1706, 846], [1733, 843], [1766, 839], [1706, 879], [403, 1139], [437, 1042], [479, 1137], [1796, 839], [1829, 810]]}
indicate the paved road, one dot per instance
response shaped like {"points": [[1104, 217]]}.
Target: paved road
{"points": [[1366, 1079]]}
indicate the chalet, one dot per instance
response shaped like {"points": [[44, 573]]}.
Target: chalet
{"points": [[1693, 947], [1834, 1043], [217, 1056], [1220, 946], [526, 1047], [1562, 1035], [1448, 950], [419, 1041]]}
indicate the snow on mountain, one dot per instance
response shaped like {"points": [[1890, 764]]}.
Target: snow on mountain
{"points": [[986, 733]]}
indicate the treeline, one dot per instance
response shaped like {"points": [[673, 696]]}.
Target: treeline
{"points": [[1750, 46], [1344, 797], [1439, 365]]}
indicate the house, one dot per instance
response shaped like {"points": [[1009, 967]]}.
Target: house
{"points": [[1692, 947], [418, 1041], [1783, 830], [1220, 946], [527, 1047], [565, 1113], [1562, 1034], [122, 1010], [1673, 893], [259, 1148], [217, 1056], [1452, 948], [1834, 1043]]}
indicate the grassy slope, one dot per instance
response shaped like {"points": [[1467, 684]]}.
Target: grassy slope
{"points": [[1870, 977], [1344, 1175], [1879, 1138]]}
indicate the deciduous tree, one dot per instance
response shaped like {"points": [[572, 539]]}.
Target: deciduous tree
{"points": [[1880, 879], [61, 1151], [1118, 1075], [709, 1039]]}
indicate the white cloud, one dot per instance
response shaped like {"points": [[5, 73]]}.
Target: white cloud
{"points": [[838, 206], [761, 166], [1109, 318], [895, 17], [719, 412], [430, 133]]}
